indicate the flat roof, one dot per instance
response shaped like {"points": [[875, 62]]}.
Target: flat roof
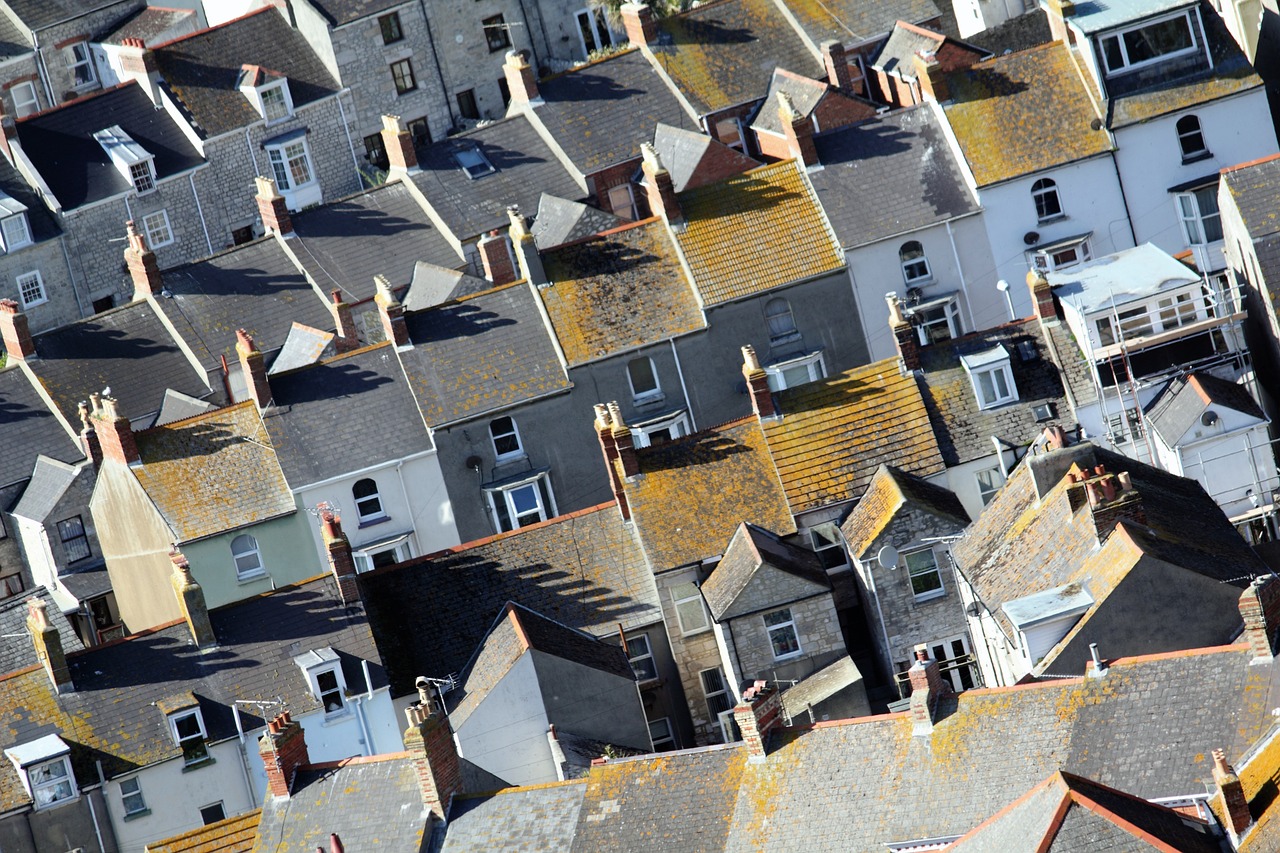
{"points": [[1044, 606], [1094, 16], [1120, 278]]}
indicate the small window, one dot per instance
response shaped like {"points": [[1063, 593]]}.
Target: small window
{"points": [[690, 611], [290, 165], [402, 74], [926, 580], [467, 106], [187, 728], [473, 162], [915, 266], [661, 735], [782, 633], [716, 692], [661, 430], [1201, 221], [368, 501], [11, 584], [156, 227], [1177, 311], [593, 30], [24, 99], [496, 34], [504, 89], [1191, 138], [1061, 256], [622, 201], [375, 153], [795, 372], [212, 813], [131, 799], [644, 380], [80, 61], [989, 482], [143, 179], [641, 657], [506, 439], [991, 375], [826, 543], [1044, 193], [51, 782], [419, 131], [330, 691], [244, 551], [275, 103], [15, 232], [522, 504], [729, 132], [75, 542], [31, 289], [937, 322], [390, 26], [780, 320]]}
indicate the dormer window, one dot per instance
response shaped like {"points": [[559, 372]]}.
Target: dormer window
{"points": [[134, 162], [473, 162], [268, 91], [992, 376], [186, 726], [14, 230], [275, 103], [323, 670], [1148, 43], [44, 766]]}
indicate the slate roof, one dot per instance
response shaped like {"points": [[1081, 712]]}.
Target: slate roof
{"points": [[201, 72], [1021, 113], [481, 353], [890, 490], [853, 21], [692, 493], [61, 147], [177, 406], [832, 435], [525, 167], [1018, 33], [232, 835], [599, 113], [722, 54], [41, 14], [896, 56], [128, 349], [339, 12], [695, 159], [359, 402], [561, 221], [370, 803], [889, 176], [1253, 187], [433, 285], [963, 429], [303, 347], [16, 649], [618, 291], [585, 570], [1186, 398], [43, 224], [794, 573], [804, 92], [50, 480], [383, 231], [109, 716], [151, 24], [520, 820], [30, 429], [254, 287], [213, 473], [12, 42], [755, 232]]}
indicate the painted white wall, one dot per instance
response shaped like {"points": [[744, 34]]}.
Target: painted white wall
{"points": [[974, 16], [1232, 461], [33, 540], [221, 11], [962, 479], [507, 733]]}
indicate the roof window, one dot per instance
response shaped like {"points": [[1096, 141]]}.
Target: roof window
{"points": [[268, 91], [135, 163], [1148, 43], [44, 766], [473, 162]]}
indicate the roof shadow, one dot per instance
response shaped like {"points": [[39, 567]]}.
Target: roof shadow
{"points": [[345, 219], [462, 319], [699, 449], [325, 382]]}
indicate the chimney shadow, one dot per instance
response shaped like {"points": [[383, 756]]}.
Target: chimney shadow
{"points": [[699, 449], [460, 320]]}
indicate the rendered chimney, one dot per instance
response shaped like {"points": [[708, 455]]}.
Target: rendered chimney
{"points": [[341, 560], [758, 714], [604, 433], [254, 370], [48, 643], [640, 24], [398, 143], [757, 384], [391, 311], [138, 63], [495, 256], [115, 434], [798, 130], [272, 208], [659, 186], [429, 742], [283, 749], [191, 601], [623, 441], [1059, 11], [927, 686], [142, 264], [1234, 802], [18, 342], [522, 80], [1260, 610], [930, 77], [526, 250], [904, 336], [837, 65], [89, 436], [1042, 295], [345, 324]]}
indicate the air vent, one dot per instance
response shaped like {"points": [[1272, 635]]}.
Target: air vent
{"points": [[1043, 412]]}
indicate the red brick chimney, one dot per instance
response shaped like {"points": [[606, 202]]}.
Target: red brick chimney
{"points": [[623, 442], [904, 335], [18, 342], [398, 143], [522, 81], [1112, 498], [392, 313], [640, 24], [283, 749], [191, 601], [341, 561], [927, 686], [88, 435], [346, 341], [1042, 295], [48, 643], [429, 742], [930, 77], [115, 434], [495, 255], [253, 369], [272, 208], [758, 714], [757, 384], [1234, 804], [798, 130], [837, 65], [1260, 610], [141, 261], [604, 433], [659, 186]]}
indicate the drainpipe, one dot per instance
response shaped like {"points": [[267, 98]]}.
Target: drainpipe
{"points": [[244, 754], [1124, 197], [200, 210], [688, 405], [435, 60]]}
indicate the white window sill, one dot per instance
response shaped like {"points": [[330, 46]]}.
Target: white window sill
{"points": [[648, 399], [999, 404], [791, 656], [247, 579], [337, 717], [1049, 220], [930, 596], [509, 458], [695, 632]]}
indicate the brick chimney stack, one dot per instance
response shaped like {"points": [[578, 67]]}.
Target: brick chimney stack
{"points": [[930, 77], [1059, 11], [604, 433], [402, 156], [495, 256], [115, 433], [1234, 803], [526, 250], [191, 601], [623, 442], [659, 186], [89, 436], [48, 643], [837, 65], [392, 313], [522, 80], [429, 741], [283, 749], [927, 686], [142, 264], [757, 715], [1042, 296], [640, 24], [344, 323], [341, 560], [1260, 610], [18, 342], [272, 208], [798, 130], [254, 370], [904, 335], [138, 63], [757, 384], [1111, 498]]}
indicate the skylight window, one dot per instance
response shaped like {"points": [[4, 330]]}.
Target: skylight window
{"points": [[473, 162]]}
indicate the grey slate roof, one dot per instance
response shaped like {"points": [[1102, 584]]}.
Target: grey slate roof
{"points": [[303, 347], [359, 402], [201, 72], [804, 92], [853, 21], [889, 176], [481, 353], [1020, 33], [152, 25], [695, 159], [1255, 188], [12, 41], [339, 12], [383, 231], [177, 406], [39, 14], [77, 170], [759, 571], [525, 167], [897, 55], [88, 582], [50, 480], [44, 225], [434, 285], [518, 819], [600, 113], [561, 221], [559, 640], [1183, 401], [16, 649], [29, 429]]}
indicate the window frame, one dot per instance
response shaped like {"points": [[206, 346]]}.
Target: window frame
{"points": [[281, 162], [219, 806], [666, 742], [320, 691], [196, 743], [649, 395], [67, 778], [912, 573], [21, 280], [477, 168], [695, 595], [1198, 217], [392, 31], [468, 104], [722, 692], [914, 263], [1002, 372], [13, 245], [29, 106], [82, 537], [948, 311], [987, 491], [647, 655], [677, 424], [780, 321], [403, 77], [1119, 35], [143, 176], [595, 19], [135, 795], [377, 514], [260, 570], [151, 232], [821, 544], [285, 103], [501, 457], [496, 23], [544, 503], [72, 63], [778, 370], [1045, 195], [1186, 133], [623, 208], [785, 624]]}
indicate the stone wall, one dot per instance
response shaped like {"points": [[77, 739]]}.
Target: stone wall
{"points": [[817, 628], [64, 305]]}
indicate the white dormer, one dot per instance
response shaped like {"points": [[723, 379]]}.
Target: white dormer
{"points": [[268, 91], [992, 376], [44, 765], [131, 159], [15, 230], [323, 670]]}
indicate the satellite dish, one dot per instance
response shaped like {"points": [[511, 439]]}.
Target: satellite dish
{"points": [[888, 557], [1209, 418]]}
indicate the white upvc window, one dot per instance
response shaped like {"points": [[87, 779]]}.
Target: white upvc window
{"points": [[1044, 193], [79, 60], [131, 799], [31, 289], [1201, 220], [25, 101], [376, 556], [915, 266], [188, 732], [15, 231], [661, 735], [131, 160], [51, 782], [1148, 43], [825, 540], [783, 639], [521, 504], [780, 321], [156, 228], [247, 557], [923, 572], [594, 32], [276, 103], [506, 439], [622, 202], [691, 612], [641, 657], [1062, 254], [323, 670], [989, 482], [291, 164], [474, 163], [661, 430], [368, 500], [1191, 139], [796, 371], [992, 376], [645, 387], [936, 320]]}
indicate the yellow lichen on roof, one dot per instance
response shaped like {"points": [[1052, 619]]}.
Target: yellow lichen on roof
{"points": [[835, 433], [754, 232], [1017, 114], [232, 835], [874, 511], [618, 291]]}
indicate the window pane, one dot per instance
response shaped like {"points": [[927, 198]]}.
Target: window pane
{"points": [[692, 615], [643, 380], [278, 169]]}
